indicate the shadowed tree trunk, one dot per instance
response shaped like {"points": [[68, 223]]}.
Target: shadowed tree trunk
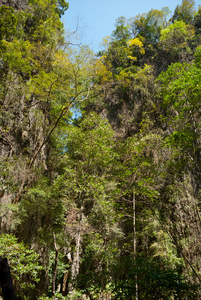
{"points": [[75, 267], [6, 280], [55, 267], [134, 242]]}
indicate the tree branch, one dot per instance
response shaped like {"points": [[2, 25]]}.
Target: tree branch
{"points": [[64, 111]]}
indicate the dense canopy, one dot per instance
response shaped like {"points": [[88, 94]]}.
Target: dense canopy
{"points": [[100, 155]]}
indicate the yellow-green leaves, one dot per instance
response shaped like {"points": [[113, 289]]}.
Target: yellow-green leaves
{"points": [[7, 23], [102, 74], [135, 46], [136, 43], [43, 24], [185, 11], [198, 56], [149, 25], [17, 55], [175, 36]]}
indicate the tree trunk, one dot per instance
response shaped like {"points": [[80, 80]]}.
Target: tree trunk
{"points": [[134, 242], [55, 267], [76, 258], [6, 280]]}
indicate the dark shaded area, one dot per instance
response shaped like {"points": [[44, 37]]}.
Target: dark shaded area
{"points": [[6, 280]]}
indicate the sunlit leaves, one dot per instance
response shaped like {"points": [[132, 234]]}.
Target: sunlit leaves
{"points": [[136, 43], [149, 25], [7, 22], [17, 55], [182, 88], [198, 56], [62, 6], [175, 36], [24, 263], [185, 11], [89, 163], [121, 32], [43, 23], [102, 74], [93, 144], [181, 99]]}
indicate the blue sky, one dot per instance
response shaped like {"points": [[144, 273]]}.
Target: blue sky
{"points": [[97, 17]]}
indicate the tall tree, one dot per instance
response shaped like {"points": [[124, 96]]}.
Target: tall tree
{"points": [[184, 12]]}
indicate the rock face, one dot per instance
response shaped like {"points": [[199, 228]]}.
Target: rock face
{"points": [[25, 102], [16, 4], [23, 127]]}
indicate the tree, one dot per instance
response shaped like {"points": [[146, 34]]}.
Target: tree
{"points": [[149, 25], [137, 187], [180, 90], [7, 22], [175, 39], [113, 190], [121, 31], [24, 264], [197, 21], [181, 95], [88, 191], [184, 12]]}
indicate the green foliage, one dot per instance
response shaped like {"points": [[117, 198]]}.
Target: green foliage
{"points": [[43, 206], [89, 189], [118, 53], [153, 281], [17, 56], [149, 25], [131, 158], [198, 57], [175, 37], [183, 80], [43, 23], [24, 263], [88, 179], [185, 11], [62, 6], [197, 21], [121, 32], [7, 23], [57, 295]]}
